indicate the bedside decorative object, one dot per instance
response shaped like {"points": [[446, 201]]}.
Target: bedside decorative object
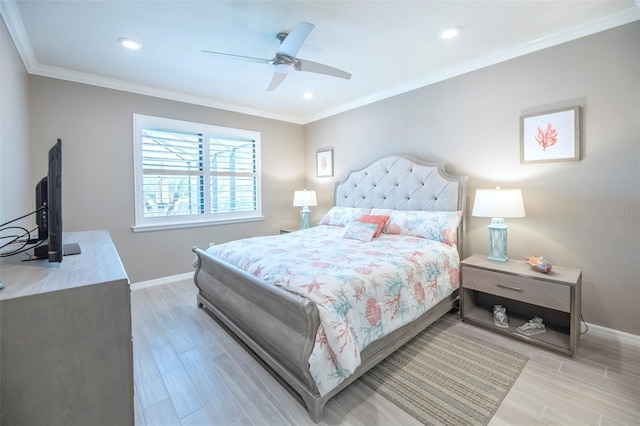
{"points": [[532, 327], [538, 263], [304, 199], [550, 136], [498, 204], [500, 318]]}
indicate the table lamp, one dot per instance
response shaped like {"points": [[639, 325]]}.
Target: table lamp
{"points": [[304, 199], [498, 204]]}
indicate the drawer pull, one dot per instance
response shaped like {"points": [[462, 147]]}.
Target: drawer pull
{"points": [[510, 288]]}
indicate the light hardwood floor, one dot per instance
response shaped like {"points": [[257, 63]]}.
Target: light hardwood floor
{"points": [[189, 371]]}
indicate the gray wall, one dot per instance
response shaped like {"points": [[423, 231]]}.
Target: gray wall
{"points": [[16, 191], [96, 127], [575, 211]]}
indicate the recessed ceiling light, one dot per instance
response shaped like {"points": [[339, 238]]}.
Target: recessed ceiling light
{"points": [[129, 43], [450, 32], [308, 95]]}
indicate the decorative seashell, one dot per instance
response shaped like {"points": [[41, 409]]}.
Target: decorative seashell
{"points": [[418, 293], [538, 263], [373, 312]]}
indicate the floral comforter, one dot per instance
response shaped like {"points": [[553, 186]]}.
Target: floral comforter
{"points": [[363, 290]]}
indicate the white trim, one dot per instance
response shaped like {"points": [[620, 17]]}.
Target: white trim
{"points": [[604, 23], [15, 26], [614, 335], [207, 133], [9, 11], [161, 281], [141, 89], [163, 226], [11, 15]]}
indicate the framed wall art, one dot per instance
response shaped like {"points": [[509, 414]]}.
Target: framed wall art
{"points": [[550, 136], [324, 162]]}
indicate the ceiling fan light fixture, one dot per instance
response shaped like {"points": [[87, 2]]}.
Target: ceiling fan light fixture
{"points": [[450, 32], [284, 68], [129, 43]]}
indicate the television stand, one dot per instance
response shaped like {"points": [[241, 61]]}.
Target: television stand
{"points": [[42, 252], [66, 338]]}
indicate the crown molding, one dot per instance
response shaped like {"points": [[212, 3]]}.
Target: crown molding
{"points": [[11, 16], [126, 86], [13, 21], [604, 23]]}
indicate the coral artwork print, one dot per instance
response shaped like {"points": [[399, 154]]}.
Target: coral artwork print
{"points": [[324, 163], [547, 138], [550, 136]]}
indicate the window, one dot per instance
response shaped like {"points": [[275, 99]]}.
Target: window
{"points": [[191, 174]]}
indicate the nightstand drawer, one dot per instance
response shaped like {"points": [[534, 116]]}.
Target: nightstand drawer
{"points": [[535, 292]]}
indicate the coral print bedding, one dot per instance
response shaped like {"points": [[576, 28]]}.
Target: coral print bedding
{"points": [[364, 290]]}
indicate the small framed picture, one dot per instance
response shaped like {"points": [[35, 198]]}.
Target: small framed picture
{"points": [[550, 136], [324, 162]]}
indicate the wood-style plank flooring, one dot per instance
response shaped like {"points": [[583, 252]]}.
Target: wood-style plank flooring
{"points": [[189, 371]]}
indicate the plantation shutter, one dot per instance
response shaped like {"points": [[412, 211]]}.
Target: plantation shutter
{"points": [[173, 173]]}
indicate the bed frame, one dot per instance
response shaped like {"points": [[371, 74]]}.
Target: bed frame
{"points": [[279, 326]]}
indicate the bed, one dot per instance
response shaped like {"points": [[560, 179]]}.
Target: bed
{"points": [[249, 285]]}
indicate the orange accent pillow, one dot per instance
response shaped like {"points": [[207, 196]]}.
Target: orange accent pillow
{"points": [[379, 220]]}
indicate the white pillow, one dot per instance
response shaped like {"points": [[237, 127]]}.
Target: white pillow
{"points": [[437, 226], [360, 231], [340, 216]]}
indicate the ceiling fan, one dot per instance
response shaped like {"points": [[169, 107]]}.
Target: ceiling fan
{"points": [[285, 61]]}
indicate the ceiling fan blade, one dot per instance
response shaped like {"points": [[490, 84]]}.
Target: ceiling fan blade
{"points": [[275, 81], [310, 66], [244, 58], [293, 42]]}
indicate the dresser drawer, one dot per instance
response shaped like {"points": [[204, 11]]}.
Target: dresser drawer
{"points": [[528, 290]]}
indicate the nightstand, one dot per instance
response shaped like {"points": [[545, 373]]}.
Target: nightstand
{"points": [[525, 293]]}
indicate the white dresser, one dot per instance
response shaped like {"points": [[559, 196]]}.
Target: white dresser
{"points": [[65, 335]]}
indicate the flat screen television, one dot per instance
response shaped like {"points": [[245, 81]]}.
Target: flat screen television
{"points": [[49, 211]]}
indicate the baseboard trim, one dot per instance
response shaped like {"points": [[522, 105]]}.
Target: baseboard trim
{"points": [[161, 281], [614, 335]]}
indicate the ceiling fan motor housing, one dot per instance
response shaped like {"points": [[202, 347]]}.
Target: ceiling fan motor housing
{"points": [[284, 64]]}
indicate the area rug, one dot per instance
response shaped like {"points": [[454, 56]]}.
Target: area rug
{"points": [[445, 377]]}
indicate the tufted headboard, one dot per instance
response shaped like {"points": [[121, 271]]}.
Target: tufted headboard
{"points": [[404, 183]]}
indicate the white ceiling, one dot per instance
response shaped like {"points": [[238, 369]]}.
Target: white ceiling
{"points": [[390, 47]]}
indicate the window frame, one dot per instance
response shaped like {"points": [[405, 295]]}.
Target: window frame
{"points": [[208, 131]]}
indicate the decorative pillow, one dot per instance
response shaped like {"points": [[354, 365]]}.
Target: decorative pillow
{"points": [[360, 231], [382, 212], [437, 226], [340, 216], [376, 219]]}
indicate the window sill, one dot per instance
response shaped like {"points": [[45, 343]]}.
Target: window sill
{"points": [[178, 225]]}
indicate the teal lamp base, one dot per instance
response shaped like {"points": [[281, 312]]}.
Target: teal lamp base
{"points": [[497, 240], [304, 218]]}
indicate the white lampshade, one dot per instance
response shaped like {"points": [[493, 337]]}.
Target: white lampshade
{"points": [[305, 198], [498, 203]]}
